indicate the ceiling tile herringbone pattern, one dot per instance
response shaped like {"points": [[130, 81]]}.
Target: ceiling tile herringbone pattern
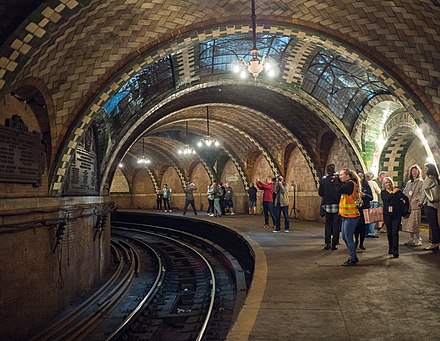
{"points": [[93, 41]]}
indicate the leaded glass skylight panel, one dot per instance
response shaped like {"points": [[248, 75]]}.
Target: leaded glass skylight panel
{"points": [[217, 56], [343, 85], [141, 88]]}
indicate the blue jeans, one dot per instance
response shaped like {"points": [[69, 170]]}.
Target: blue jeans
{"points": [[268, 209], [278, 210], [217, 207], [187, 203], [348, 226], [371, 227]]}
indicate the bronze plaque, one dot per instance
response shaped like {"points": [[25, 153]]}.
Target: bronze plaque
{"points": [[21, 156], [83, 177]]}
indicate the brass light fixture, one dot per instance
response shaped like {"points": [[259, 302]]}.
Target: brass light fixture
{"points": [[187, 150], [254, 66], [208, 141], [143, 160]]}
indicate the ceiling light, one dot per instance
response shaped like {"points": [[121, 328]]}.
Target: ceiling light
{"points": [[208, 141], [255, 65], [186, 150], [143, 160]]}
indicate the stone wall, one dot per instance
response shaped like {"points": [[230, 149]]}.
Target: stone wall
{"points": [[39, 277], [303, 191]]}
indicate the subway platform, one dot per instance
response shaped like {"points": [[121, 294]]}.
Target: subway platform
{"points": [[301, 292]]}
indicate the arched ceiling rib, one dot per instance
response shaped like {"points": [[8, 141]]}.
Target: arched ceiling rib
{"points": [[246, 124], [74, 28], [60, 53]]}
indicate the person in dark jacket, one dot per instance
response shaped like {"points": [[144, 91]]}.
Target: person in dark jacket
{"points": [[392, 198], [189, 197], [159, 198], [367, 196], [252, 203], [330, 202]]}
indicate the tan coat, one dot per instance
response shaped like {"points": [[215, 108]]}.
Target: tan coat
{"points": [[413, 191], [282, 197]]}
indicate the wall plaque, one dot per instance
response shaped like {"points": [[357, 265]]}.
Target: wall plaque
{"points": [[21, 156], [232, 178], [82, 176]]}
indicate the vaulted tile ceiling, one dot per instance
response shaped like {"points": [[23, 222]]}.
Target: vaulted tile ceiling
{"points": [[138, 71]]}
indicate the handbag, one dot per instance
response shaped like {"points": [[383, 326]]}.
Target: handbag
{"points": [[432, 194], [373, 215]]}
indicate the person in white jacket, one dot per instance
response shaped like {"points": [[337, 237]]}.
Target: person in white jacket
{"points": [[413, 190]]}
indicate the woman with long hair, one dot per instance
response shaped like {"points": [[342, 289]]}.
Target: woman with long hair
{"points": [[413, 190], [367, 196], [393, 199], [429, 200], [348, 188]]}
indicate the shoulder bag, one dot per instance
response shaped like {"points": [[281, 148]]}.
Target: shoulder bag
{"points": [[432, 194]]}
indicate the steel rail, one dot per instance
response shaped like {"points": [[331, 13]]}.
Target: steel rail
{"points": [[211, 271]]}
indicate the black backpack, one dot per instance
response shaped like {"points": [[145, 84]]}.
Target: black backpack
{"points": [[219, 191], [405, 209]]}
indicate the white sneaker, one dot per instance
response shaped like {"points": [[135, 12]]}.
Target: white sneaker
{"points": [[165, 211], [232, 213], [418, 243], [170, 211]]}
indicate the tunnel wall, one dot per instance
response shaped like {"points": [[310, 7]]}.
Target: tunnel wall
{"points": [[39, 278]]}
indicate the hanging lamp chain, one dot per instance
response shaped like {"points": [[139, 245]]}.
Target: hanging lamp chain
{"points": [[207, 120], [254, 27]]}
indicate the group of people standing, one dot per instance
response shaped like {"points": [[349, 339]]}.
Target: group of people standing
{"points": [[220, 199], [163, 196], [275, 202], [346, 194]]}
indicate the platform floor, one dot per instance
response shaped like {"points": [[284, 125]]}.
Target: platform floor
{"points": [[301, 292]]}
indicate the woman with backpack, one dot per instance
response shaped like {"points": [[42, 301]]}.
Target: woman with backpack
{"points": [[395, 205], [429, 199]]}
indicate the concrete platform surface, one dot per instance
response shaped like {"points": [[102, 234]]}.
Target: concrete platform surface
{"points": [[301, 292]]}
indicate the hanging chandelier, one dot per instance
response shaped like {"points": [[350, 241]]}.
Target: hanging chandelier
{"points": [[208, 141], [187, 150], [254, 66], [143, 160]]}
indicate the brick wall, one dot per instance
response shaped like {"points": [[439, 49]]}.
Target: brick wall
{"points": [[416, 154], [302, 187], [339, 156], [37, 280], [119, 183], [201, 179]]}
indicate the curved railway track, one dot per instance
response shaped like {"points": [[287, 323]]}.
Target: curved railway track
{"points": [[167, 285], [78, 322]]}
